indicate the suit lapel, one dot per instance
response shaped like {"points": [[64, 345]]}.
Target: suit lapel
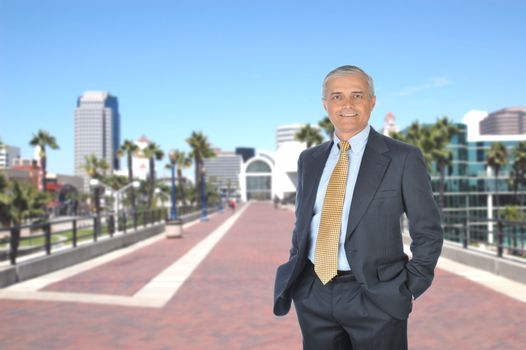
{"points": [[372, 170], [312, 169]]}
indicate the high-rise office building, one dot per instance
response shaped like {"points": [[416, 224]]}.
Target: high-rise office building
{"points": [[97, 131], [507, 121]]}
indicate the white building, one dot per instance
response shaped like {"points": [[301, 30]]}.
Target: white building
{"points": [[286, 133], [7, 155], [223, 171], [141, 164], [389, 125]]}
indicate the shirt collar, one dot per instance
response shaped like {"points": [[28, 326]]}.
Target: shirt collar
{"points": [[358, 141]]}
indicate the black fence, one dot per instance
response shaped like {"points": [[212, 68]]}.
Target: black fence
{"points": [[494, 234], [47, 236]]}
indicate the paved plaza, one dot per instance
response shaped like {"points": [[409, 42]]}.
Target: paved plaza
{"points": [[213, 289]]}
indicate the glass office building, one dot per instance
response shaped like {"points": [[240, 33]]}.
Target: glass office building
{"points": [[470, 184]]}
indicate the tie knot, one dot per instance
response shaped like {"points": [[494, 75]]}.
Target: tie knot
{"points": [[344, 146]]}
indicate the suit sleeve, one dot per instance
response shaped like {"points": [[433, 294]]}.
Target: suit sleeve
{"points": [[424, 223], [299, 196]]}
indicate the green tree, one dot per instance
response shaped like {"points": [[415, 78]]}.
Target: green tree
{"points": [[153, 152], [129, 148], [398, 136], [180, 160], [327, 126], [20, 201], [511, 229], [201, 149], [96, 168], [309, 135], [43, 139], [420, 136], [497, 158], [440, 137], [518, 171]]}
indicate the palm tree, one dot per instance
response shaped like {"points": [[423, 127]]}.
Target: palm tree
{"points": [[497, 158], [309, 135], [19, 201], [327, 126], [129, 148], [96, 168], [43, 139], [201, 149], [153, 152], [441, 134], [420, 136], [179, 160], [518, 171], [398, 136]]}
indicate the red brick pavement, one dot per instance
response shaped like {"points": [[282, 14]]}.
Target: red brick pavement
{"points": [[128, 274], [227, 304]]}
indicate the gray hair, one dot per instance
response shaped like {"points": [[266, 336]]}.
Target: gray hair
{"points": [[344, 71]]}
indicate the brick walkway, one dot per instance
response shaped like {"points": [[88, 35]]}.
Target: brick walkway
{"points": [[227, 302]]}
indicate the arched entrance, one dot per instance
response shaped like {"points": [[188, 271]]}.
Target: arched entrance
{"points": [[259, 180]]}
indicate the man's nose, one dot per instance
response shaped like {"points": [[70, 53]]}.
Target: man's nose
{"points": [[348, 101]]}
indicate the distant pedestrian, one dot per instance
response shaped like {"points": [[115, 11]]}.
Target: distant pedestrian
{"points": [[232, 205], [276, 201]]}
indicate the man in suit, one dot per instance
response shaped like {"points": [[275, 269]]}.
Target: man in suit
{"points": [[350, 280]]}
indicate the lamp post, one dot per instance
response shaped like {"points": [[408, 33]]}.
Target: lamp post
{"points": [[118, 193], [204, 214], [95, 184], [220, 206], [173, 209]]}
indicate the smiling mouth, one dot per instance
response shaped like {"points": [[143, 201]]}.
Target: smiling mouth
{"points": [[348, 115]]}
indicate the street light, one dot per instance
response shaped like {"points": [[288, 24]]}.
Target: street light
{"points": [[173, 197], [94, 184], [118, 193], [204, 214]]}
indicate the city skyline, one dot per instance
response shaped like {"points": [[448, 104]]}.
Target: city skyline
{"points": [[219, 68]]}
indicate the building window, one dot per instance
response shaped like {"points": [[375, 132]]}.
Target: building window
{"points": [[258, 167]]}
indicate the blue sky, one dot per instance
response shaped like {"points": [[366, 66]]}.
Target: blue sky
{"points": [[237, 69]]}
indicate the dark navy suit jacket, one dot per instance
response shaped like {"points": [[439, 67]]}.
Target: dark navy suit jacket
{"points": [[392, 179]]}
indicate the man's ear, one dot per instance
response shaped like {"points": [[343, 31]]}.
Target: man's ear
{"points": [[324, 101]]}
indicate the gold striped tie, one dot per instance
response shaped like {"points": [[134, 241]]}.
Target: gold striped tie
{"points": [[326, 255]]}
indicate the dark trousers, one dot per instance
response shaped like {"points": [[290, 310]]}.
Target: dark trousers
{"points": [[339, 315]]}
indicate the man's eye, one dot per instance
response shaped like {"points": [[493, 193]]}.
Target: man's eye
{"points": [[357, 96], [336, 97]]}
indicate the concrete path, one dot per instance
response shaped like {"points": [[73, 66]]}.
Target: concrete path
{"points": [[213, 288]]}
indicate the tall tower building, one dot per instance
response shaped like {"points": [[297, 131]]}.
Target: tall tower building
{"points": [[97, 130]]}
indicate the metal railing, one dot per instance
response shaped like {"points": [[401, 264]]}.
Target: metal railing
{"points": [[495, 235], [48, 236]]}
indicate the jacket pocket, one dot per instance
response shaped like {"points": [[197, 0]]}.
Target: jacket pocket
{"points": [[387, 272], [386, 194]]}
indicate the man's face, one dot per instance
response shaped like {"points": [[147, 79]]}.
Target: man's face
{"points": [[348, 104]]}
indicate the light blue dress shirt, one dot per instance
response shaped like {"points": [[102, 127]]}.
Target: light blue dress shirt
{"points": [[355, 154]]}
